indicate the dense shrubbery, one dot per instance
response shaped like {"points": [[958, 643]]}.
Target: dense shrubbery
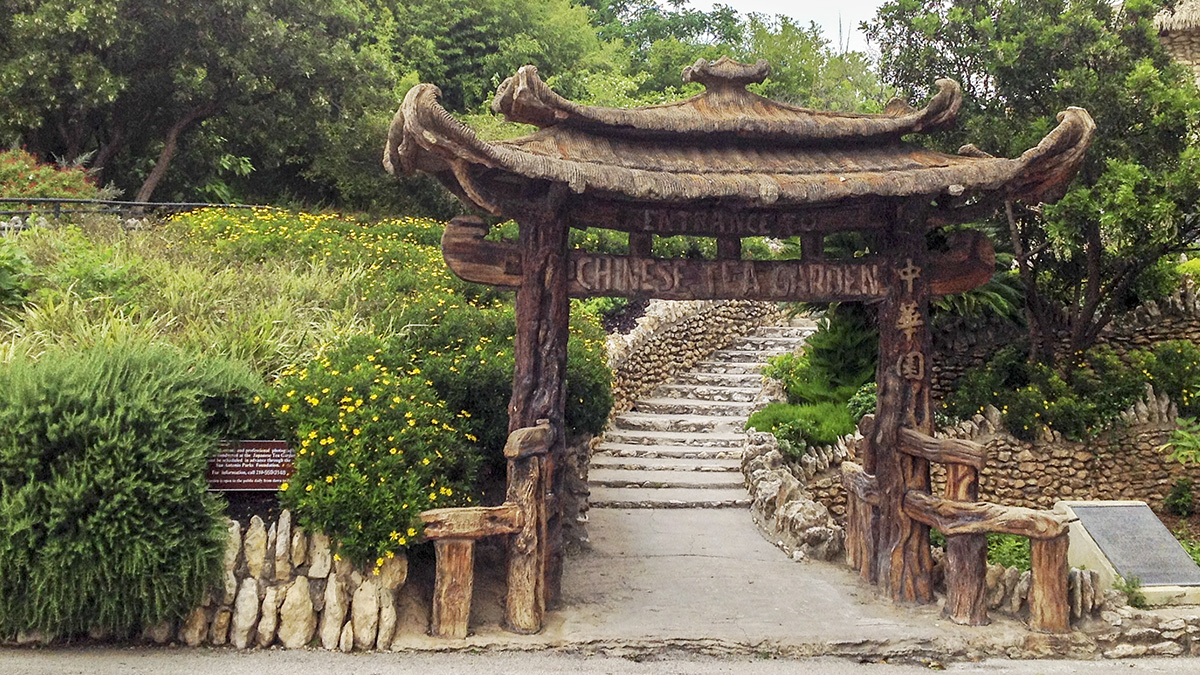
{"points": [[285, 292], [22, 175], [799, 426], [105, 521], [1009, 550], [821, 383], [1174, 369], [1082, 397]]}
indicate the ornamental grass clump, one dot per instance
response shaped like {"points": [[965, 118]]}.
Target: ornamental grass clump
{"points": [[105, 518]]}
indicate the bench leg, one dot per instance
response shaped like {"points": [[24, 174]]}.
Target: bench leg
{"points": [[453, 587]]}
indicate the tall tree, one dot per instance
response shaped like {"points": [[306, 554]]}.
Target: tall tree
{"points": [[125, 82], [1082, 260]]}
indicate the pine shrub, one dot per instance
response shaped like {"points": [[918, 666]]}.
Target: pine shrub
{"points": [[105, 518]]}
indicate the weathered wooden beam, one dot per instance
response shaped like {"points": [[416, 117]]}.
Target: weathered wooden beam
{"points": [[951, 517], [452, 587], [812, 246], [641, 244], [1049, 607], [970, 263], [471, 522], [709, 220], [860, 483], [966, 556], [473, 258], [942, 450]]}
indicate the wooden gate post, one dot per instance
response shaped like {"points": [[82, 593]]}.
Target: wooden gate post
{"points": [[966, 556], [539, 394], [904, 562]]}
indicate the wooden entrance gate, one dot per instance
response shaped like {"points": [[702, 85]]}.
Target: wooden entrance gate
{"points": [[730, 164]]}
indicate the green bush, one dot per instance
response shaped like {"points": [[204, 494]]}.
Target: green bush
{"points": [[863, 402], [1084, 396], [22, 175], [15, 270], [105, 516], [798, 427], [838, 360], [375, 447], [1173, 368], [1179, 499]]}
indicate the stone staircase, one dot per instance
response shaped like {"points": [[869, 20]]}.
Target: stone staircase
{"points": [[682, 446]]}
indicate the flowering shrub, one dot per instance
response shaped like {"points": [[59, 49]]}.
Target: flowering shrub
{"points": [[393, 418], [1084, 396], [22, 175], [375, 447], [1173, 368]]}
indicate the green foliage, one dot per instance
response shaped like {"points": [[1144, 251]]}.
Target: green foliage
{"points": [[1192, 546], [1009, 550], [22, 175], [862, 403], [1179, 499], [104, 509], [1132, 588], [1185, 441], [799, 426], [375, 447], [1078, 400], [1173, 367], [15, 271], [1020, 62], [837, 361]]}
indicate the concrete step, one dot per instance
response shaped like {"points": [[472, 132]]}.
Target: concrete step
{"points": [[639, 463], [635, 421], [667, 498], [729, 368], [739, 380], [745, 355], [627, 478], [786, 331], [692, 406], [759, 342], [697, 392], [730, 449]]}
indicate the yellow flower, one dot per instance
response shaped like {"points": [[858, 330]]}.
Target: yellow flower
{"points": [[285, 407], [283, 487], [308, 488]]}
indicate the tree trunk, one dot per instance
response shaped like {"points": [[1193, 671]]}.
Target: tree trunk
{"points": [[170, 144]]}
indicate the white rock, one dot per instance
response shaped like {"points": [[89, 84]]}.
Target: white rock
{"points": [[283, 547], [346, 638], [270, 615], [233, 548], [268, 566], [387, 619], [364, 612], [394, 572], [297, 620], [299, 547], [255, 546], [334, 614], [159, 633], [320, 558], [245, 614]]}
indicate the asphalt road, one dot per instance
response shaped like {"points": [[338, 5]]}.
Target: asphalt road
{"points": [[166, 661]]}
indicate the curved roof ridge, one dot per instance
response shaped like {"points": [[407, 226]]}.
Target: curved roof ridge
{"points": [[725, 108]]}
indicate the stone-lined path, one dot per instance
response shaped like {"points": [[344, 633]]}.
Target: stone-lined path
{"points": [[681, 447]]}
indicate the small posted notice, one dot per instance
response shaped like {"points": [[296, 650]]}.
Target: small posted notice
{"points": [[250, 465]]}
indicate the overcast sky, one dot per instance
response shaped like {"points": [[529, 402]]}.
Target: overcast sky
{"points": [[827, 13]]}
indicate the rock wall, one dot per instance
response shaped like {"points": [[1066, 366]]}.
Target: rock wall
{"points": [[285, 587], [1184, 47], [959, 346], [672, 337]]}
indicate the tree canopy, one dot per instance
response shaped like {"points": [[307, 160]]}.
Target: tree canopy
{"points": [[1020, 62]]}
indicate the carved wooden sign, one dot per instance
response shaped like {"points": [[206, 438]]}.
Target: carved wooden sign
{"points": [[250, 465], [473, 258]]}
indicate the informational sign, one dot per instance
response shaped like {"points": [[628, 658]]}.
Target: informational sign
{"points": [[1137, 544], [250, 465]]}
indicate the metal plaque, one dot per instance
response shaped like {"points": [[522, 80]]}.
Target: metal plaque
{"points": [[1138, 545]]}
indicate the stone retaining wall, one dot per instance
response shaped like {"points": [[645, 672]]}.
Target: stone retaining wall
{"points": [[285, 587], [672, 337]]}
